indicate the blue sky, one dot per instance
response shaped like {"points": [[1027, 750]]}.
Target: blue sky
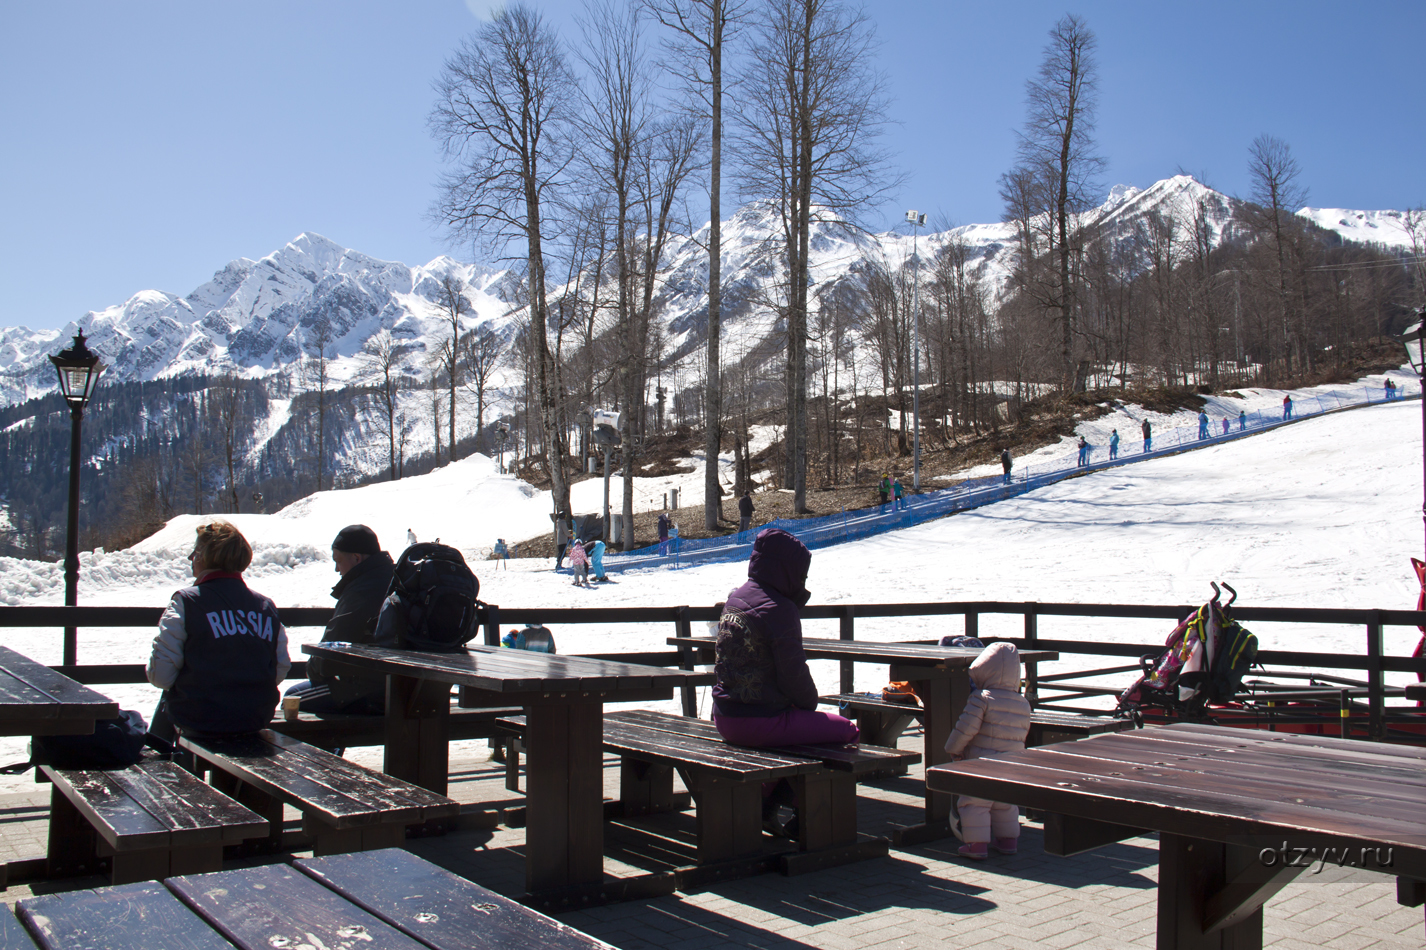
{"points": [[149, 143]]}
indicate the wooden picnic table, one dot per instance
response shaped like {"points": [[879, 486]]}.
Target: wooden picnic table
{"points": [[564, 699], [1239, 812], [37, 701], [942, 680], [380, 900]]}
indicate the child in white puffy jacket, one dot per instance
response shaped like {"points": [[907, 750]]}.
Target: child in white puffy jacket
{"points": [[996, 719]]}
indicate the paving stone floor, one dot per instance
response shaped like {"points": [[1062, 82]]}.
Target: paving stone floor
{"points": [[917, 897]]}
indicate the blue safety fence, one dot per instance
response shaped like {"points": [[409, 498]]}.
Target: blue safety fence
{"points": [[977, 492]]}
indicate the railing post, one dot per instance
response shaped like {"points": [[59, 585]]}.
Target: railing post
{"points": [[1032, 636], [846, 630], [972, 623], [492, 625], [682, 628], [1375, 686], [1346, 713]]}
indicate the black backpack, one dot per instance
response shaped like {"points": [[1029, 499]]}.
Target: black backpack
{"points": [[1237, 650], [114, 744], [431, 604]]}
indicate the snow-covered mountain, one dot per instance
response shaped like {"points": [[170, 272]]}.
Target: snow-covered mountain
{"points": [[258, 317]]}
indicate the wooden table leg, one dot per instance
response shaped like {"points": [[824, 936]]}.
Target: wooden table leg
{"points": [[418, 732], [943, 698], [564, 780], [1191, 872]]}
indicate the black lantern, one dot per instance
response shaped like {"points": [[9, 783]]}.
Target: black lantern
{"points": [[1414, 337], [79, 371]]}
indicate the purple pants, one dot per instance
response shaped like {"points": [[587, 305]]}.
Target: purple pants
{"points": [[794, 727]]}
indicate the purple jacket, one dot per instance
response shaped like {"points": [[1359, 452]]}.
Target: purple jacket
{"points": [[761, 668]]}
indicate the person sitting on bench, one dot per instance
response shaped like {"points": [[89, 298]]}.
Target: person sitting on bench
{"points": [[366, 577], [764, 695], [221, 649]]}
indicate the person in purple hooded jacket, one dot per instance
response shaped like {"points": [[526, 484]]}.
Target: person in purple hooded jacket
{"points": [[764, 695]]}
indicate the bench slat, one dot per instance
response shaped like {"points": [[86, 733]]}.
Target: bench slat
{"points": [[275, 905], [662, 746], [437, 907], [395, 790], [115, 816], [352, 729], [154, 804], [343, 794], [192, 809], [126, 917], [13, 935], [853, 758]]}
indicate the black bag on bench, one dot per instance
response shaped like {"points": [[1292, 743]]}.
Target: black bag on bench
{"points": [[114, 744]]}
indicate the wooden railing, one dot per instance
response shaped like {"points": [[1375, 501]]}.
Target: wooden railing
{"points": [[1371, 661]]}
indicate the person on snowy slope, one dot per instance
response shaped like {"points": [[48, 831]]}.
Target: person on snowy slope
{"points": [[221, 649], [596, 561]]}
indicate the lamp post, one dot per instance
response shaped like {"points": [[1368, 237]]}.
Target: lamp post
{"points": [[79, 371], [917, 220], [502, 432], [1415, 340]]}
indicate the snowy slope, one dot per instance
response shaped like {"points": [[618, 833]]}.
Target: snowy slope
{"points": [[1387, 228]]}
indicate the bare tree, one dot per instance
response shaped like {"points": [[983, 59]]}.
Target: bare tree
{"points": [[1275, 189], [504, 111], [454, 305], [316, 372], [229, 411], [811, 114], [700, 30], [1413, 221], [381, 358], [481, 353], [1057, 170]]}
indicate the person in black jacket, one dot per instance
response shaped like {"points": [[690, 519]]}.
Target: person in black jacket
{"points": [[745, 512], [221, 650], [366, 578]]}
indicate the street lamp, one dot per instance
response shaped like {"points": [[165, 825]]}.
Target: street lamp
{"points": [[502, 432], [1415, 340], [917, 220], [79, 371]]}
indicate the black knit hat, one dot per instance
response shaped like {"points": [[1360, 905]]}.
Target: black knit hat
{"points": [[357, 539]]}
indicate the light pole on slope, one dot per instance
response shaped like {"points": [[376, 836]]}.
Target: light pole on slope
{"points": [[917, 220]]}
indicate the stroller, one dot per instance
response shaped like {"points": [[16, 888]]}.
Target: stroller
{"points": [[1205, 660]]}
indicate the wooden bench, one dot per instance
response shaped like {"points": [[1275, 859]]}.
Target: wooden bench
{"points": [[349, 730], [880, 722], [151, 820], [726, 784], [344, 806], [1050, 727], [388, 899]]}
